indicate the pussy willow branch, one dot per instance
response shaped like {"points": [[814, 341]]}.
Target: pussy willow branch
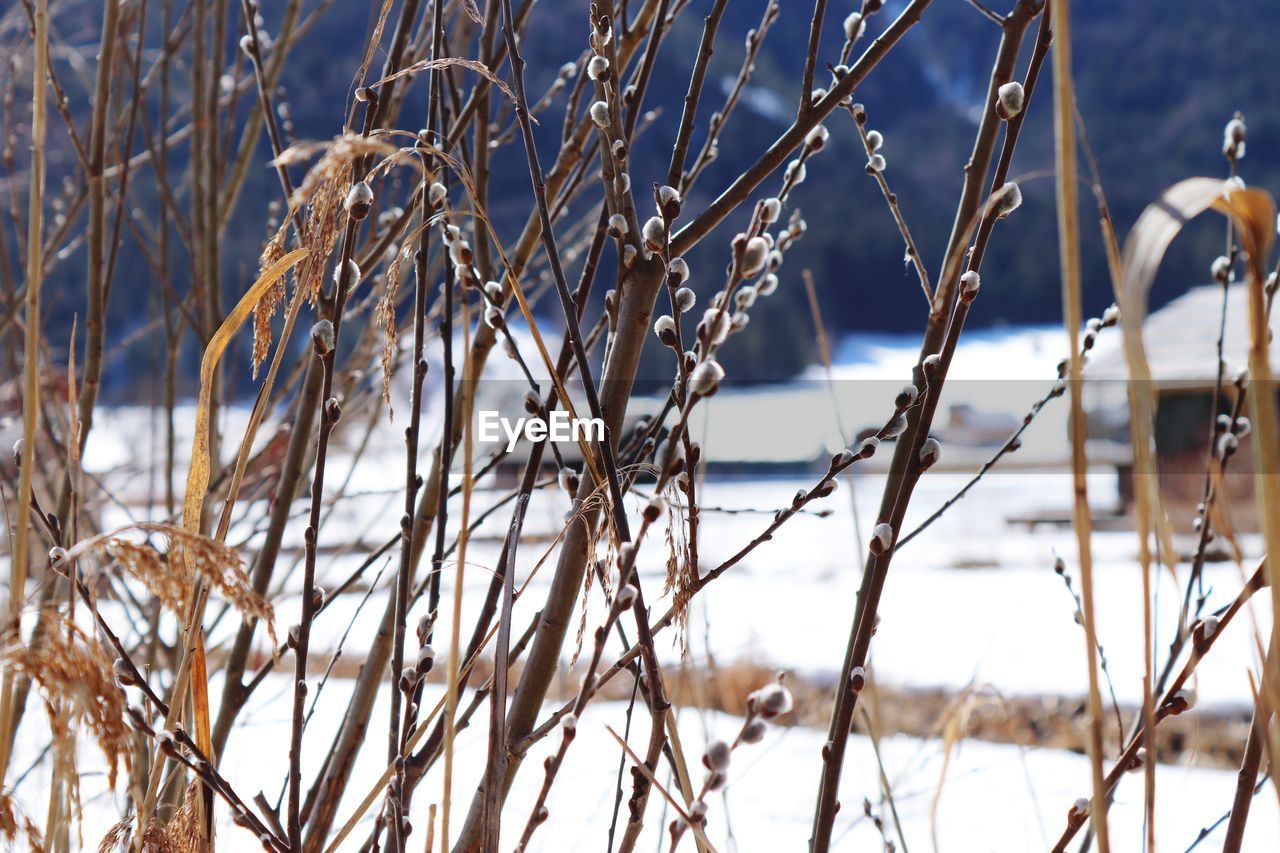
{"points": [[1168, 705], [940, 338]]}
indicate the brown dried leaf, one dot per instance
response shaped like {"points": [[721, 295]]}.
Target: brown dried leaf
{"points": [[74, 673]]}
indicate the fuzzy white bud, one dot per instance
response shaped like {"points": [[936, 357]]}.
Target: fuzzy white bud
{"points": [[1009, 100], [655, 234], [600, 114], [618, 225], [597, 67], [853, 26], [875, 140], [754, 256], [678, 270], [881, 538], [1006, 200], [685, 299], [706, 377], [876, 163]]}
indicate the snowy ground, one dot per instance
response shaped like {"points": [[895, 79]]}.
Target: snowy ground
{"points": [[974, 600]]}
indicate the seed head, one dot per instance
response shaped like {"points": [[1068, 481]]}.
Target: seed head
{"points": [[1009, 100], [359, 200], [706, 377]]}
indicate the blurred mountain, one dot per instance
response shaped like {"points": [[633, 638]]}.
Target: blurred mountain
{"points": [[1156, 81]]}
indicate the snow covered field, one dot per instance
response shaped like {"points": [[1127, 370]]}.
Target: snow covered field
{"points": [[972, 601]]}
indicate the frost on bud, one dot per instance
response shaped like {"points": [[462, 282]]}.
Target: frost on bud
{"points": [[1079, 809], [618, 225], [753, 732], [857, 679], [1009, 100], [929, 453], [597, 67], [1221, 269], [768, 284], [770, 210], [875, 140], [655, 234], [669, 202], [359, 200], [685, 299], [706, 377], [678, 270], [754, 256], [876, 164], [817, 138], [599, 113], [717, 756], [881, 538], [568, 479], [906, 397], [970, 283], [665, 329], [322, 337], [1233, 138], [1006, 200], [772, 700], [853, 26]]}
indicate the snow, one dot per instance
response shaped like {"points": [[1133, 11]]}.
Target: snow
{"points": [[974, 601]]}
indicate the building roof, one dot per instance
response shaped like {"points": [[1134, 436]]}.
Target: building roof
{"points": [[1182, 340]]}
